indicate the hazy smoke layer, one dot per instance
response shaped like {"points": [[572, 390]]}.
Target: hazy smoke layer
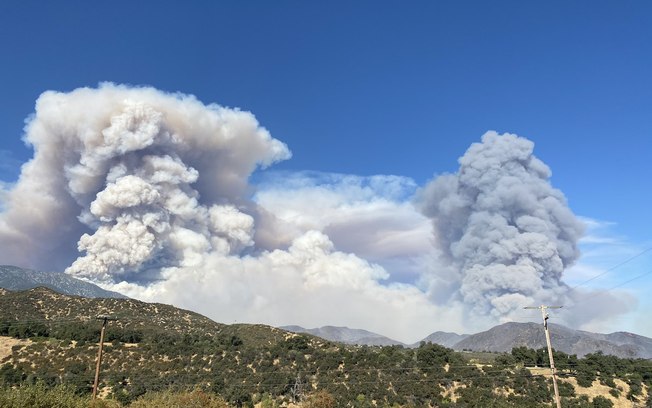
{"points": [[503, 227], [148, 178]]}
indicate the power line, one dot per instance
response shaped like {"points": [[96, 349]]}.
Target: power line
{"points": [[626, 261], [604, 291], [66, 378]]}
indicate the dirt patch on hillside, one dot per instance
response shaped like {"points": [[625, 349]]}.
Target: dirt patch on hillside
{"points": [[6, 343], [600, 389]]}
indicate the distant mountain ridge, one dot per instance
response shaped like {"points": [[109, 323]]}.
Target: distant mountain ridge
{"points": [[346, 335], [509, 335], [446, 339], [503, 338], [14, 278]]}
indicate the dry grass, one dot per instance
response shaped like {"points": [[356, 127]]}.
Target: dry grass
{"points": [[451, 393], [603, 390], [6, 343], [598, 389]]}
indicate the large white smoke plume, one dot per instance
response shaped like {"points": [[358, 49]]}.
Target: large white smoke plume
{"points": [[150, 179], [505, 230]]}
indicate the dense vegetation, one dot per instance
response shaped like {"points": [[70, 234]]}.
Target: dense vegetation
{"points": [[157, 351]]}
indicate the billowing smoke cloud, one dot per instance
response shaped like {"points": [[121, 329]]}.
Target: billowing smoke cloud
{"points": [[145, 178], [505, 230]]}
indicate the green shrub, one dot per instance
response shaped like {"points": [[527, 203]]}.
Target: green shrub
{"points": [[188, 399], [602, 402], [39, 396]]}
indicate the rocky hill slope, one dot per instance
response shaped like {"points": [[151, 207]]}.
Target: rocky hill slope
{"points": [[15, 278]]}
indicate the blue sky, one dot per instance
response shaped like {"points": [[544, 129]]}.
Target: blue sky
{"points": [[378, 88]]}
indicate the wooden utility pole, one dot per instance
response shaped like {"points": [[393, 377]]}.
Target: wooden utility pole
{"points": [[552, 361], [105, 319]]}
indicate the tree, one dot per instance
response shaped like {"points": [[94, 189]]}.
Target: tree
{"points": [[602, 402], [525, 355]]}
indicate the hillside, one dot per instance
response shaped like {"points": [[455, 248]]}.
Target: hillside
{"points": [[15, 278], [52, 338], [46, 307]]}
